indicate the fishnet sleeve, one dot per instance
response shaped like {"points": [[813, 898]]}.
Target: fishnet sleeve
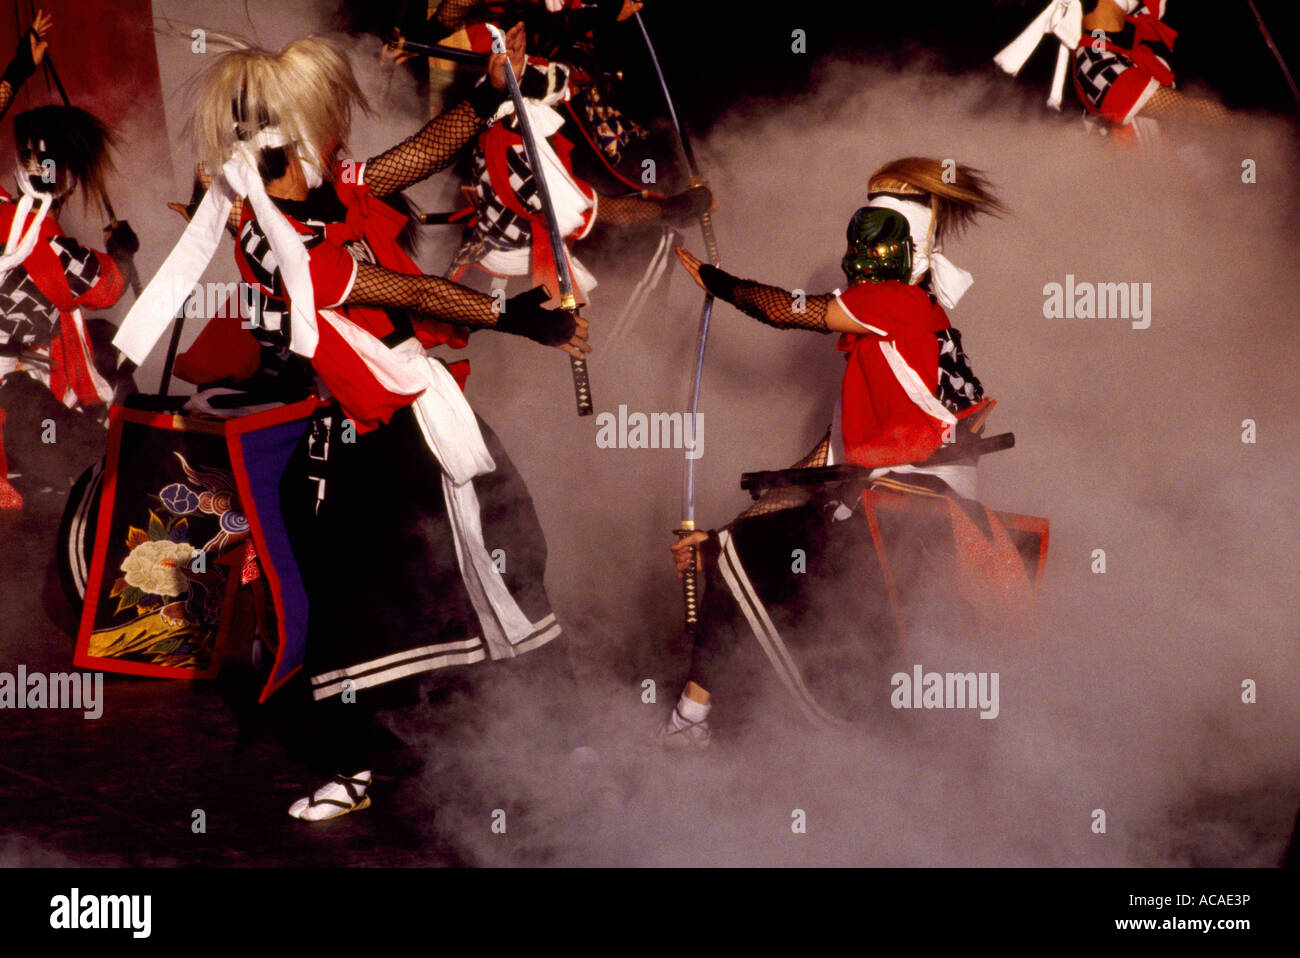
{"points": [[7, 93], [451, 15], [430, 296], [627, 210], [421, 155], [775, 500], [780, 308]]}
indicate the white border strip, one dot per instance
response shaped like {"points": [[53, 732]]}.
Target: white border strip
{"points": [[768, 636]]}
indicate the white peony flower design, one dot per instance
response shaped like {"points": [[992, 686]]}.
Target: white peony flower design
{"points": [[155, 567]]}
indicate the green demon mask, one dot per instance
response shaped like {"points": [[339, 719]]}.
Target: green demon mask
{"points": [[880, 247]]}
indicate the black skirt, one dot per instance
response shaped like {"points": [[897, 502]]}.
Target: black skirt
{"points": [[801, 592], [379, 561]]}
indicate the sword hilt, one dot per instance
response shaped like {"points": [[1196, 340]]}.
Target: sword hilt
{"points": [[690, 583], [581, 381], [706, 227], [710, 240], [581, 386]]}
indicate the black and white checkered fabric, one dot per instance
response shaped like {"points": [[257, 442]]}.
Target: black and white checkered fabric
{"points": [[958, 387], [1096, 70], [27, 317], [499, 227], [264, 266]]}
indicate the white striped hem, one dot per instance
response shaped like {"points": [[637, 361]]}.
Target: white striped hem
{"points": [[774, 647], [427, 658]]}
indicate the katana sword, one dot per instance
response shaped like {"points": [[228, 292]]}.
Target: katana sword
{"points": [[1277, 54], [690, 587], [440, 51], [568, 301]]}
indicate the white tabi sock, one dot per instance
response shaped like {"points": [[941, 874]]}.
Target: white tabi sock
{"points": [[689, 711]]}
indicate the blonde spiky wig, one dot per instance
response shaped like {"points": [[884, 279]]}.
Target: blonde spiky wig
{"points": [[303, 95]]}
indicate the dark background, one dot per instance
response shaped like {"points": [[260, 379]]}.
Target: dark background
{"points": [[742, 51]]}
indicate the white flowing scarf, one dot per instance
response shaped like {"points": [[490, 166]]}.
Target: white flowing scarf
{"points": [[1062, 19], [21, 242], [445, 417], [570, 203], [948, 280]]}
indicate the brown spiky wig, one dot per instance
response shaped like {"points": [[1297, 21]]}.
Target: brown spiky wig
{"points": [[77, 142], [958, 194]]}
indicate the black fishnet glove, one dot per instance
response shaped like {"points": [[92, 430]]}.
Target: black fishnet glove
{"points": [[679, 210], [523, 315], [788, 497], [434, 147], [451, 15], [627, 210], [450, 302], [768, 304], [16, 74], [121, 241]]}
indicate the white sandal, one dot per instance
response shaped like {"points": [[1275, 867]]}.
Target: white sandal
{"points": [[338, 796]]}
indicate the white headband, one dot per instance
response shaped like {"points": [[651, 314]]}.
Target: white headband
{"points": [[948, 281]]}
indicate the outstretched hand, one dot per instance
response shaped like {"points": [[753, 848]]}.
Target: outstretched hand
{"points": [[691, 263], [516, 40]]}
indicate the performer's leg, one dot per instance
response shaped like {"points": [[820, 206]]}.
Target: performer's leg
{"points": [[342, 737], [716, 641], [9, 496], [1168, 104]]}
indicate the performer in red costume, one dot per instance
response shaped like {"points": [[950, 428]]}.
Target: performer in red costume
{"points": [[394, 536], [47, 278], [1122, 63], [908, 390], [506, 230]]}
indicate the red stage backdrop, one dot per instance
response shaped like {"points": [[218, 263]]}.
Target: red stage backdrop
{"points": [[104, 52]]}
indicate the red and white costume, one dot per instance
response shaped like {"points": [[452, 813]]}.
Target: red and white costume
{"points": [[46, 278]]}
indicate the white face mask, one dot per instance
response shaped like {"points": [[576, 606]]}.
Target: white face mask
{"points": [[34, 185], [272, 137]]}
